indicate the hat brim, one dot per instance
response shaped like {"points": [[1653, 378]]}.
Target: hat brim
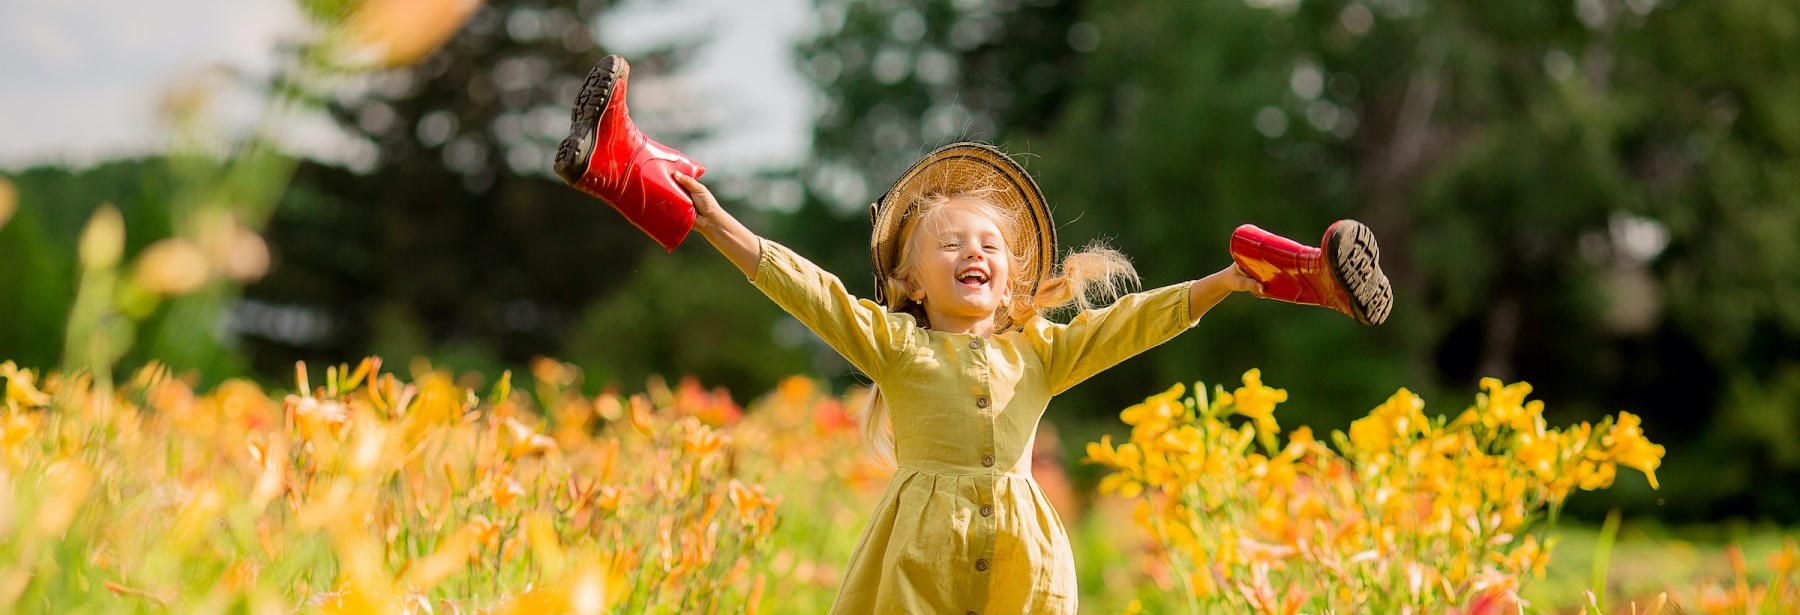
{"points": [[961, 168]]}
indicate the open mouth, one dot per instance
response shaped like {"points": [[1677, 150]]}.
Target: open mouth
{"points": [[973, 279]]}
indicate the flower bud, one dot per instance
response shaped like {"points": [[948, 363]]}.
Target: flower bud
{"points": [[9, 200], [172, 267], [103, 240], [391, 33]]}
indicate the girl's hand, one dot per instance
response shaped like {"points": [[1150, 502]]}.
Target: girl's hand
{"points": [[1233, 279], [723, 231], [706, 208], [1209, 291]]}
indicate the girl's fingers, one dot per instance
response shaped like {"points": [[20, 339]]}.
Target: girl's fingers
{"points": [[703, 198], [1237, 280]]}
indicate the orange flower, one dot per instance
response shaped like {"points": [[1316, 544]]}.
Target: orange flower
{"points": [[390, 33], [640, 415], [703, 441]]}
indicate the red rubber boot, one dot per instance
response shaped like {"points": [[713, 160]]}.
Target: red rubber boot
{"points": [[1345, 275], [606, 156]]}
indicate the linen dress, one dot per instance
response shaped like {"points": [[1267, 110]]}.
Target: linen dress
{"points": [[962, 527]]}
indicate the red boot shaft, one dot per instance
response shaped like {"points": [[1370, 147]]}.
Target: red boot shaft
{"points": [[607, 156], [1345, 275]]}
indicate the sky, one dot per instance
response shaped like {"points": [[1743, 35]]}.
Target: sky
{"points": [[82, 80]]}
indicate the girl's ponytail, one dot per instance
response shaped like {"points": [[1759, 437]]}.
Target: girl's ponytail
{"points": [[1093, 276], [876, 432]]}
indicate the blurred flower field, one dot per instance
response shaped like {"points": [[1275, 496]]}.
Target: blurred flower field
{"points": [[365, 492]]}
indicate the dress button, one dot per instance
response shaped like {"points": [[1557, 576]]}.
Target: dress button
{"points": [[987, 510], [981, 402], [981, 565], [987, 461], [974, 344]]}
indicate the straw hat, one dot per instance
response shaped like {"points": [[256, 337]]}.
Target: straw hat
{"points": [[953, 169]]}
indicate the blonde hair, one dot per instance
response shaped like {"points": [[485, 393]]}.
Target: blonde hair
{"points": [[1087, 278]]}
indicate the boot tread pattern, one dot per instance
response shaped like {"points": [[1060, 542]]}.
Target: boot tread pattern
{"points": [[572, 156], [1356, 261]]}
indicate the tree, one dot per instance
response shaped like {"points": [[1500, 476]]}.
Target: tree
{"points": [[447, 231]]}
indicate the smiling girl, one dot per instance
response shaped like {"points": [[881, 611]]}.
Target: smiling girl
{"points": [[964, 361]]}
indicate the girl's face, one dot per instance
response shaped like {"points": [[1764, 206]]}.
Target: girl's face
{"points": [[964, 269]]}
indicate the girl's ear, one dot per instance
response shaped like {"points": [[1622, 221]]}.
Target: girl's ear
{"points": [[897, 287]]}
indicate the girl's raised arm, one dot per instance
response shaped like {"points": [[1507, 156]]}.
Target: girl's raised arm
{"points": [[1098, 339], [1209, 291], [721, 229], [867, 335]]}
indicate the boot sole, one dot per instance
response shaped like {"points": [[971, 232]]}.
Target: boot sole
{"points": [[1356, 263], [577, 148]]}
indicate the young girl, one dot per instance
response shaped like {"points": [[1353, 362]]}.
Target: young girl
{"points": [[963, 359]]}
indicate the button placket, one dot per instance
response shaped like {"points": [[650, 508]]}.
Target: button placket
{"points": [[984, 403]]}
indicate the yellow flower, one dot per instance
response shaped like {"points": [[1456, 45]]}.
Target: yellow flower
{"points": [[526, 441], [453, 555], [1593, 475], [14, 432], [1183, 439], [506, 491], [596, 588], [1540, 453], [1155, 413], [1529, 557], [1626, 445], [20, 390], [1257, 402], [1370, 434], [1102, 452], [1505, 405], [317, 418], [1122, 485], [608, 497], [703, 441], [1395, 419]]}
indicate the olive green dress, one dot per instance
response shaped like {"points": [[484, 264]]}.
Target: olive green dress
{"points": [[962, 527]]}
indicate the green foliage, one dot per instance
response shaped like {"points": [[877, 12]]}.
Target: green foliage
{"points": [[658, 325]]}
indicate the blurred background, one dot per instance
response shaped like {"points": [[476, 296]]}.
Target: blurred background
{"points": [[1600, 197]]}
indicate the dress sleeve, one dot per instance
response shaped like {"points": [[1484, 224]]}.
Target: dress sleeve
{"points": [[864, 332], [1098, 339]]}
